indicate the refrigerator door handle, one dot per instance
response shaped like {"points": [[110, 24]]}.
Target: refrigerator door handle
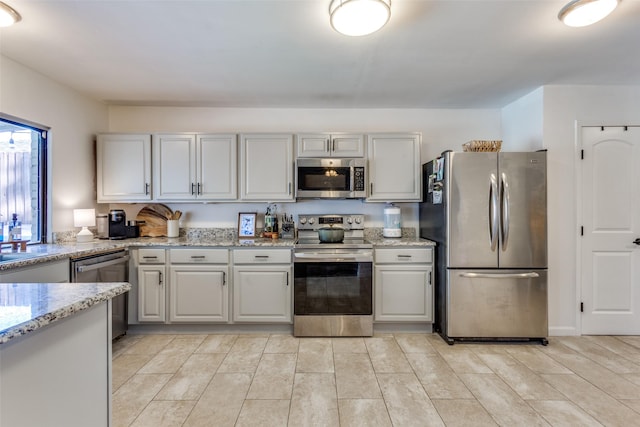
{"points": [[530, 275], [493, 212], [504, 197]]}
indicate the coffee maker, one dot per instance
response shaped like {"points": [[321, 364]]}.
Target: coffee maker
{"points": [[117, 224]]}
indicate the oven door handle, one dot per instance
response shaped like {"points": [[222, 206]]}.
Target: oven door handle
{"points": [[328, 258], [90, 267]]}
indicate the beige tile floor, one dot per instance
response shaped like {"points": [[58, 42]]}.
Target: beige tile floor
{"points": [[387, 380]]}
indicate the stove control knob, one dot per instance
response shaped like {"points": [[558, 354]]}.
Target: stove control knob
{"points": [[358, 220], [349, 220], [303, 220], [311, 221]]}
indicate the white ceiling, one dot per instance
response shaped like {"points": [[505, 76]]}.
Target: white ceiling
{"points": [[284, 53]]}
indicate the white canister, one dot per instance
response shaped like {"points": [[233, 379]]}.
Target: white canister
{"points": [[392, 221], [173, 228]]}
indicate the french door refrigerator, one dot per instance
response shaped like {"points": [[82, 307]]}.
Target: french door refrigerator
{"points": [[487, 212]]}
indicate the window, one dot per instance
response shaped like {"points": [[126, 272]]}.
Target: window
{"points": [[23, 160]]}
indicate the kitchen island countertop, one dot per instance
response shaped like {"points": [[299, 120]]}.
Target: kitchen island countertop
{"points": [[26, 307]]}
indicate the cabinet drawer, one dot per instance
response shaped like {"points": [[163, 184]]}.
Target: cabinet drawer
{"points": [[199, 256], [262, 256], [404, 256], [151, 256]]}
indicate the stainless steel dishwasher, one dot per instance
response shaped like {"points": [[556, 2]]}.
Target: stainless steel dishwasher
{"points": [[107, 266]]}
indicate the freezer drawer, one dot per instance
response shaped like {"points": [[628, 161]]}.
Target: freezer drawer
{"points": [[497, 304]]}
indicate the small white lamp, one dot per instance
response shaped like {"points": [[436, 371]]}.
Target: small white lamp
{"points": [[84, 218]]}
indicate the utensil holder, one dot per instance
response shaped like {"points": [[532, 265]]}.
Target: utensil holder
{"points": [[173, 228]]}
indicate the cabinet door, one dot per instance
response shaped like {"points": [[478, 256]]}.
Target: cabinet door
{"points": [[174, 167], [123, 168], [198, 293], [262, 293], [347, 145], [266, 167], [403, 293], [330, 145], [394, 167], [151, 293], [313, 145], [216, 163]]}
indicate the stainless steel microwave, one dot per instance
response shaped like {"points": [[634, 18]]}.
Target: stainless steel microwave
{"points": [[331, 178]]}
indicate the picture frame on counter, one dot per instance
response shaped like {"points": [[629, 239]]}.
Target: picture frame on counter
{"points": [[247, 225]]}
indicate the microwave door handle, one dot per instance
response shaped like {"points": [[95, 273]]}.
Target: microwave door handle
{"points": [[352, 178]]}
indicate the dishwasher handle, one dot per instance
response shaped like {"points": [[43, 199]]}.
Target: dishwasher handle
{"points": [[90, 267]]}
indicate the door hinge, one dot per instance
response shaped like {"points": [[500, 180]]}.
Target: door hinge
{"points": [[581, 307], [581, 154]]}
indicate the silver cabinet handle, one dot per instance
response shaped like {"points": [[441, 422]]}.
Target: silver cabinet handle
{"points": [[531, 275], [198, 257], [199, 188], [287, 278], [289, 188], [193, 188], [146, 188], [404, 256], [224, 278], [160, 278], [328, 149], [261, 256]]}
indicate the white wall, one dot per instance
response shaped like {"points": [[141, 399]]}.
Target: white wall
{"points": [[522, 125], [73, 119], [441, 130], [564, 107]]}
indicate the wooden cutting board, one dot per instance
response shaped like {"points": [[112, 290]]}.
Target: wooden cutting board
{"points": [[155, 220]]}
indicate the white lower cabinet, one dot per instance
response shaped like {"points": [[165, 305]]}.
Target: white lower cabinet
{"points": [[151, 293], [262, 285], [198, 288], [403, 284], [151, 285]]}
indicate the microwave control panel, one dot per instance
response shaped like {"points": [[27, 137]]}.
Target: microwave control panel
{"points": [[358, 179]]}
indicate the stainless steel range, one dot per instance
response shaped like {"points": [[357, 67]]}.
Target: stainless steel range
{"points": [[333, 282]]}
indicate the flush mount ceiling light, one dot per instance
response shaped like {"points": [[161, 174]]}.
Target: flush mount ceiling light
{"points": [[8, 15], [359, 17], [580, 13]]}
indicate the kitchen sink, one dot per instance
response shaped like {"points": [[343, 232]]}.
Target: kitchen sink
{"points": [[8, 257]]}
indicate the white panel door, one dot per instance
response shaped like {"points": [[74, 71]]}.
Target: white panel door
{"points": [[611, 220]]}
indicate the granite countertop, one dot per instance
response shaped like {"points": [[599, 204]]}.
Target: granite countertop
{"points": [[400, 241], [25, 307], [36, 254]]}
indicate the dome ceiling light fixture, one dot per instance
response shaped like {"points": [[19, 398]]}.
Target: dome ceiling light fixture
{"points": [[8, 15], [580, 13], [359, 17]]}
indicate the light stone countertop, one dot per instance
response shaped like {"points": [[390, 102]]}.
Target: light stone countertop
{"points": [[53, 252], [26, 307], [400, 242]]}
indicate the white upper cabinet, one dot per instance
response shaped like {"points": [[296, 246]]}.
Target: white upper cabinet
{"points": [[266, 167], [123, 168], [394, 167], [330, 145], [195, 166]]}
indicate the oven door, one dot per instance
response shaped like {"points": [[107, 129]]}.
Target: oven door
{"points": [[333, 288]]}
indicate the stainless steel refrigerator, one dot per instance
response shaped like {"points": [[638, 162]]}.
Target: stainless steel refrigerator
{"points": [[487, 212]]}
